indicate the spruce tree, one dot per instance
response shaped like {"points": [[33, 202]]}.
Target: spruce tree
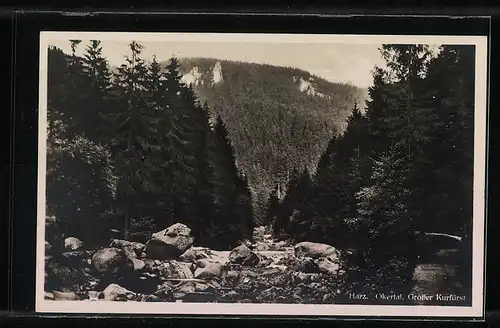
{"points": [[226, 224], [132, 136], [272, 207], [99, 78]]}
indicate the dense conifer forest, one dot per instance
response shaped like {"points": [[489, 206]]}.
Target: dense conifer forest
{"points": [[134, 149]]}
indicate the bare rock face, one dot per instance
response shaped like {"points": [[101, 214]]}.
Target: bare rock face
{"points": [[169, 243], [244, 256], [316, 250], [73, 244]]}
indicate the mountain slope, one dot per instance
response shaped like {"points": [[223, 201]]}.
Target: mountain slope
{"points": [[279, 118]]}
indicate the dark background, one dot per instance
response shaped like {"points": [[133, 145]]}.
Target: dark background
{"points": [[20, 33]]}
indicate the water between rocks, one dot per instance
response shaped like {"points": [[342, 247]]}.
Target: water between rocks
{"points": [[437, 275]]}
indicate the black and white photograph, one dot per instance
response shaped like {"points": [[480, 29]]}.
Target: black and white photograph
{"points": [[261, 174]]}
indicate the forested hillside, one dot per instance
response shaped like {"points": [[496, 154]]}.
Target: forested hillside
{"points": [[279, 118]]}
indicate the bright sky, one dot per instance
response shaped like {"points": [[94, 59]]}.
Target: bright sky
{"points": [[351, 63]]}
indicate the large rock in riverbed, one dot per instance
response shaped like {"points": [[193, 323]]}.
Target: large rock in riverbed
{"points": [[209, 272], [244, 256], [112, 263], [175, 270], [116, 292], [128, 246], [73, 244], [170, 243], [316, 250]]}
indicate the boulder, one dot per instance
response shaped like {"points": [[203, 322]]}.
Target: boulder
{"points": [[176, 270], [95, 295], [170, 243], [138, 264], [188, 256], [136, 247], [59, 276], [194, 292], [209, 272], [327, 266], [129, 251], [231, 276], [316, 250], [65, 296], [112, 262], [193, 254], [73, 244], [49, 296], [116, 292], [244, 256], [202, 263], [307, 265], [277, 266]]}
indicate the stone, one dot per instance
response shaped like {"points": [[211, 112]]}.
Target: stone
{"points": [[327, 266], [112, 262], [170, 243], [116, 292], [307, 265], [188, 256], [95, 295], [73, 244], [316, 250], [138, 264], [137, 248], [244, 256], [176, 270], [65, 296], [49, 296], [202, 263], [211, 271]]}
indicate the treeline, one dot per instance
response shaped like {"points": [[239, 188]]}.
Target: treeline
{"points": [[134, 151], [404, 165], [276, 127]]}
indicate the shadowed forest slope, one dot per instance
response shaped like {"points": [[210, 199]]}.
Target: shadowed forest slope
{"points": [[279, 119]]}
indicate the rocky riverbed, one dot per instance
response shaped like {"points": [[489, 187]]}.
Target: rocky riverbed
{"points": [[170, 269]]}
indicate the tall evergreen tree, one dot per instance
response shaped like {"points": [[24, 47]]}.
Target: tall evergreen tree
{"points": [[448, 200], [96, 68], [131, 141], [226, 181]]}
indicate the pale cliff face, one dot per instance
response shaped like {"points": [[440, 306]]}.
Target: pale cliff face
{"points": [[193, 77], [217, 73]]}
